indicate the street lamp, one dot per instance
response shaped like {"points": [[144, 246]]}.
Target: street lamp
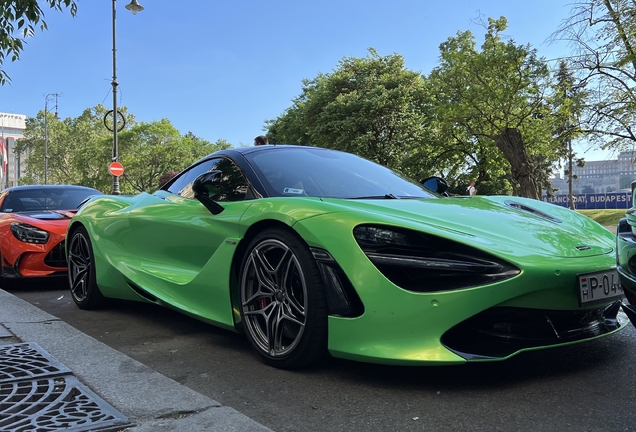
{"points": [[46, 132], [134, 7]]}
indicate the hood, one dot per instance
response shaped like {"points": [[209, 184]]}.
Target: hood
{"points": [[50, 214], [499, 222]]}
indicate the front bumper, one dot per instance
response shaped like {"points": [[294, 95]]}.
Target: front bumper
{"points": [[428, 328], [500, 332], [51, 263]]}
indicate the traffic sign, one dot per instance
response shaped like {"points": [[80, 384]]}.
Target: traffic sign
{"points": [[116, 169]]}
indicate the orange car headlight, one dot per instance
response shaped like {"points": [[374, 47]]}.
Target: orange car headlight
{"points": [[29, 234]]}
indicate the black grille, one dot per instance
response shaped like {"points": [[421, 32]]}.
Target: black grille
{"points": [[502, 331], [57, 256], [40, 394]]}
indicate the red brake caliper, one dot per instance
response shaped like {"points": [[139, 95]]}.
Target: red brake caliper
{"points": [[263, 302]]}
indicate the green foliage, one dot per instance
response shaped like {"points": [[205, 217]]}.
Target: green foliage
{"points": [[80, 150], [494, 97], [568, 103], [602, 34], [18, 21], [607, 218], [149, 150], [370, 106]]}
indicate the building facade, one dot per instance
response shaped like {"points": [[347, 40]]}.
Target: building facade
{"points": [[12, 128], [599, 177]]}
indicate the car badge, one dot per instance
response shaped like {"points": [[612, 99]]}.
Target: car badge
{"points": [[583, 248]]}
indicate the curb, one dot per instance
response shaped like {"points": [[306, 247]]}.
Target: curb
{"points": [[151, 401]]}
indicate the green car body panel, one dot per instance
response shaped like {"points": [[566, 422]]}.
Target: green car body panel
{"points": [[172, 251]]}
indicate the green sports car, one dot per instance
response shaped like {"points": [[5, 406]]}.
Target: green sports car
{"points": [[311, 252]]}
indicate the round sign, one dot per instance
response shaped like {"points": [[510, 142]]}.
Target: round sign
{"points": [[109, 118], [116, 169]]}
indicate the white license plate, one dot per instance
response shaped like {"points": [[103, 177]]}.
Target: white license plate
{"points": [[599, 287]]}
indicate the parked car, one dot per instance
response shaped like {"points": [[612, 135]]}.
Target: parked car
{"points": [[33, 222], [626, 257], [310, 251]]}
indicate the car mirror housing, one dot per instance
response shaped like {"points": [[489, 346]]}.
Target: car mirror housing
{"points": [[206, 186], [436, 184]]}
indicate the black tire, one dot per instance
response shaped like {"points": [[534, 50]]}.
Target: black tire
{"points": [[81, 271], [283, 306]]}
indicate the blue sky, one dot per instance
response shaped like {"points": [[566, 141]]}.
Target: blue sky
{"points": [[220, 69]]}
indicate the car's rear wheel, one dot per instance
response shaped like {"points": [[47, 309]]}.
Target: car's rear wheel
{"points": [[81, 271], [283, 305]]}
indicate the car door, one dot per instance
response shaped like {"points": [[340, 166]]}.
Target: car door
{"points": [[184, 250]]}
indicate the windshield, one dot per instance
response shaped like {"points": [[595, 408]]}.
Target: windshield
{"points": [[306, 171], [45, 199]]}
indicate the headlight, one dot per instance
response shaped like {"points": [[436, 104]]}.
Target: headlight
{"points": [[420, 262], [29, 234], [372, 235]]}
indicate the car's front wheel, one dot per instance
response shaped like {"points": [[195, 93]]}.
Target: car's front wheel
{"points": [[283, 305], [81, 271]]}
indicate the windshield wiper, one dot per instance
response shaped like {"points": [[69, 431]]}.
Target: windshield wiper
{"points": [[385, 196]]}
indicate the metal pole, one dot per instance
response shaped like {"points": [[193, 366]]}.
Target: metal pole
{"points": [[46, 133], [46, 138], [6, 143], [115, 190], [6, 174]]}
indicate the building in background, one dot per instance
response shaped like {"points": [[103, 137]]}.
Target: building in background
{"points": [[611, 175], [11, 129]]}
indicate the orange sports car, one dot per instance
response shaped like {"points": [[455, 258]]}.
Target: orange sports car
{"points": [[33, 222]]}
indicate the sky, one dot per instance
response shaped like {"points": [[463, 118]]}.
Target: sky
{"points": [[221, 69]]}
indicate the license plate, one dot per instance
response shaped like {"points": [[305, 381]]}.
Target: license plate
{"points": [[599, 287]]}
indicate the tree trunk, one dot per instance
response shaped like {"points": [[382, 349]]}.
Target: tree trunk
{"points": [[510, 143], [570, 175]]}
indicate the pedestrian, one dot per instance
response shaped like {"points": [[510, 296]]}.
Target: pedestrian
{"points": [[471, 189], [260, 140]]}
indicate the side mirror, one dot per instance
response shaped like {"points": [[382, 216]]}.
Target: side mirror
{"points": [[206, 186], [436, 184]]}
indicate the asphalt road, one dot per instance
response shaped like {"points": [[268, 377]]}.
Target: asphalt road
{"points": [[584, 387]]}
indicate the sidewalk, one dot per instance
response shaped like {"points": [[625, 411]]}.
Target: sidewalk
{"points": [[148, 400]]}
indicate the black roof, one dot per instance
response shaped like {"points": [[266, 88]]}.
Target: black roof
{"points": [[267, 147], [40, 187]]}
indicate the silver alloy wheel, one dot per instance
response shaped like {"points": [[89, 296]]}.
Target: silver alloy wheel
{"points": [[79, 267], [274, 298]]}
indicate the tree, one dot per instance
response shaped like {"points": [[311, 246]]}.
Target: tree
{"points": [[568, 102], [371, 106], [602, 34], [18, 21], [167, 176], [497, 96], [80, 150], [149, 150]]}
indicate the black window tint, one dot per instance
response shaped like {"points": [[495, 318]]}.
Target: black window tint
{"points": [[233, 186], [45, 199], [304, 171], [183, 184]]}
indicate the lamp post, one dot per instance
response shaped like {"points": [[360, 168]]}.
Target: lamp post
{"points": [[46, 132], [134, 7]]}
